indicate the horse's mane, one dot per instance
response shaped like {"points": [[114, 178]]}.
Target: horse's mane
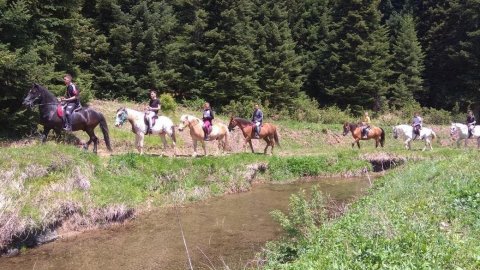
{"points": [[243, 121], [44, 90], [352, 125], [189, 116]]}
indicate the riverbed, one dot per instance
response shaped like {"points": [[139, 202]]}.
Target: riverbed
{"points": [[219, 232]]}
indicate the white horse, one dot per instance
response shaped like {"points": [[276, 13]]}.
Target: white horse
{"points": [[219, 132], [461, 130], [163, 125], [406, 131]]}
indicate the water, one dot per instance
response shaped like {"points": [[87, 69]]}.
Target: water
{"points": [[219, 232]]}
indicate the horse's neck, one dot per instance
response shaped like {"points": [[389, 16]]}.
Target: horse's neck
{"points": [[135, 117], [48, 97]]}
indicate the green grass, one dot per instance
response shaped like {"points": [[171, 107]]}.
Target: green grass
{"points": [[424, 216]]}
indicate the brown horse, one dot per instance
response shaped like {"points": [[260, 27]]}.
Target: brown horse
{"points": [[219, 132], [268, 132], [375, 133]]}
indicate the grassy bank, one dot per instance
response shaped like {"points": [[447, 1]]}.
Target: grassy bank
{"points": [[45, 185], [424, 216]]}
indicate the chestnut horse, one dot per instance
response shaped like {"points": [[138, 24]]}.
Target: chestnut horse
{"points": [[219, 132], [268, 132], [375, 133]]}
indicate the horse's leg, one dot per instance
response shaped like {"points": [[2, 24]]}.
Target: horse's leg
{"points": [[164, 141], [139, 142], [267, 140], [425, 146], [92, 138], [376, 142], [407, 143], [466, 140], [478, 142], [220, 146], [194, 147], [174, 141], [251, 146], [204, 148], [58, 134], [45, 134], [357, 141]]}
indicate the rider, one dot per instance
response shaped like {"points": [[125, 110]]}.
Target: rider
{"points": [[365, 125], [257, 119], [207, 120], [152, 110], [71, 99], [417, 122], [470, 123]]}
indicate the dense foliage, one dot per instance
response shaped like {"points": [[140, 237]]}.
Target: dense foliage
{"points": [[369, 54]]}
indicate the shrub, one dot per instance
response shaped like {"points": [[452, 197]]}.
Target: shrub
{"points": [[168, 102], [244, 108], [334, 115], [439, 117], [194, 104], [305, 109]]}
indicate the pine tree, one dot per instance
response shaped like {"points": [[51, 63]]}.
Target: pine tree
{"points": [[359, 60], [280, 66], [407, 63]]}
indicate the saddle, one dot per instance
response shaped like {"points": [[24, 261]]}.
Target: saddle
{"points": [[416, 130], [61, 109], [154, 118], [365, 131]]}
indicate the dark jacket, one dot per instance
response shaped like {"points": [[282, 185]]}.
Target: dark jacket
{"points": [[72, 91], [257, 116]]}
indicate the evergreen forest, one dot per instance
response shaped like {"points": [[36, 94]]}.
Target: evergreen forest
{"points": [[377, 55]]}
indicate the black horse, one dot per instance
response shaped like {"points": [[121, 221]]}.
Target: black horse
{"points": [[85, 119]]}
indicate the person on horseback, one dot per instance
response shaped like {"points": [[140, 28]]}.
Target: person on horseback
{"points": [[207, 120], [470, 123], [257, 119], [71, 100], [417, 123], [365, 125], [152, 110]]}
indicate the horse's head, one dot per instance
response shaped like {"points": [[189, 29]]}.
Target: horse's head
{"points": [[121, 117], [34, 96], [395, 132], [346, 128], [453, 130], [233, 123], [184, 122]]}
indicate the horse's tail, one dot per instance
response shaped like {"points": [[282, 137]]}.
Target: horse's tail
{"points": [[434, 135], [227, 133], [174, 137], [104, 128], [382, 137], [275, 136]]}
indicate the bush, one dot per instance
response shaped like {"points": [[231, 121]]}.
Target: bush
{"points": [[194, 104], [305, 109], [168, 102], [244, 109], [439, 117], [334, 115]]}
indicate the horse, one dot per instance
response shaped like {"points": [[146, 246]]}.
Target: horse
{"points": [[406, 131], [163, 125], [85, 119], [375, 133], [462, 131], [219, 132], [268, 132]]}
